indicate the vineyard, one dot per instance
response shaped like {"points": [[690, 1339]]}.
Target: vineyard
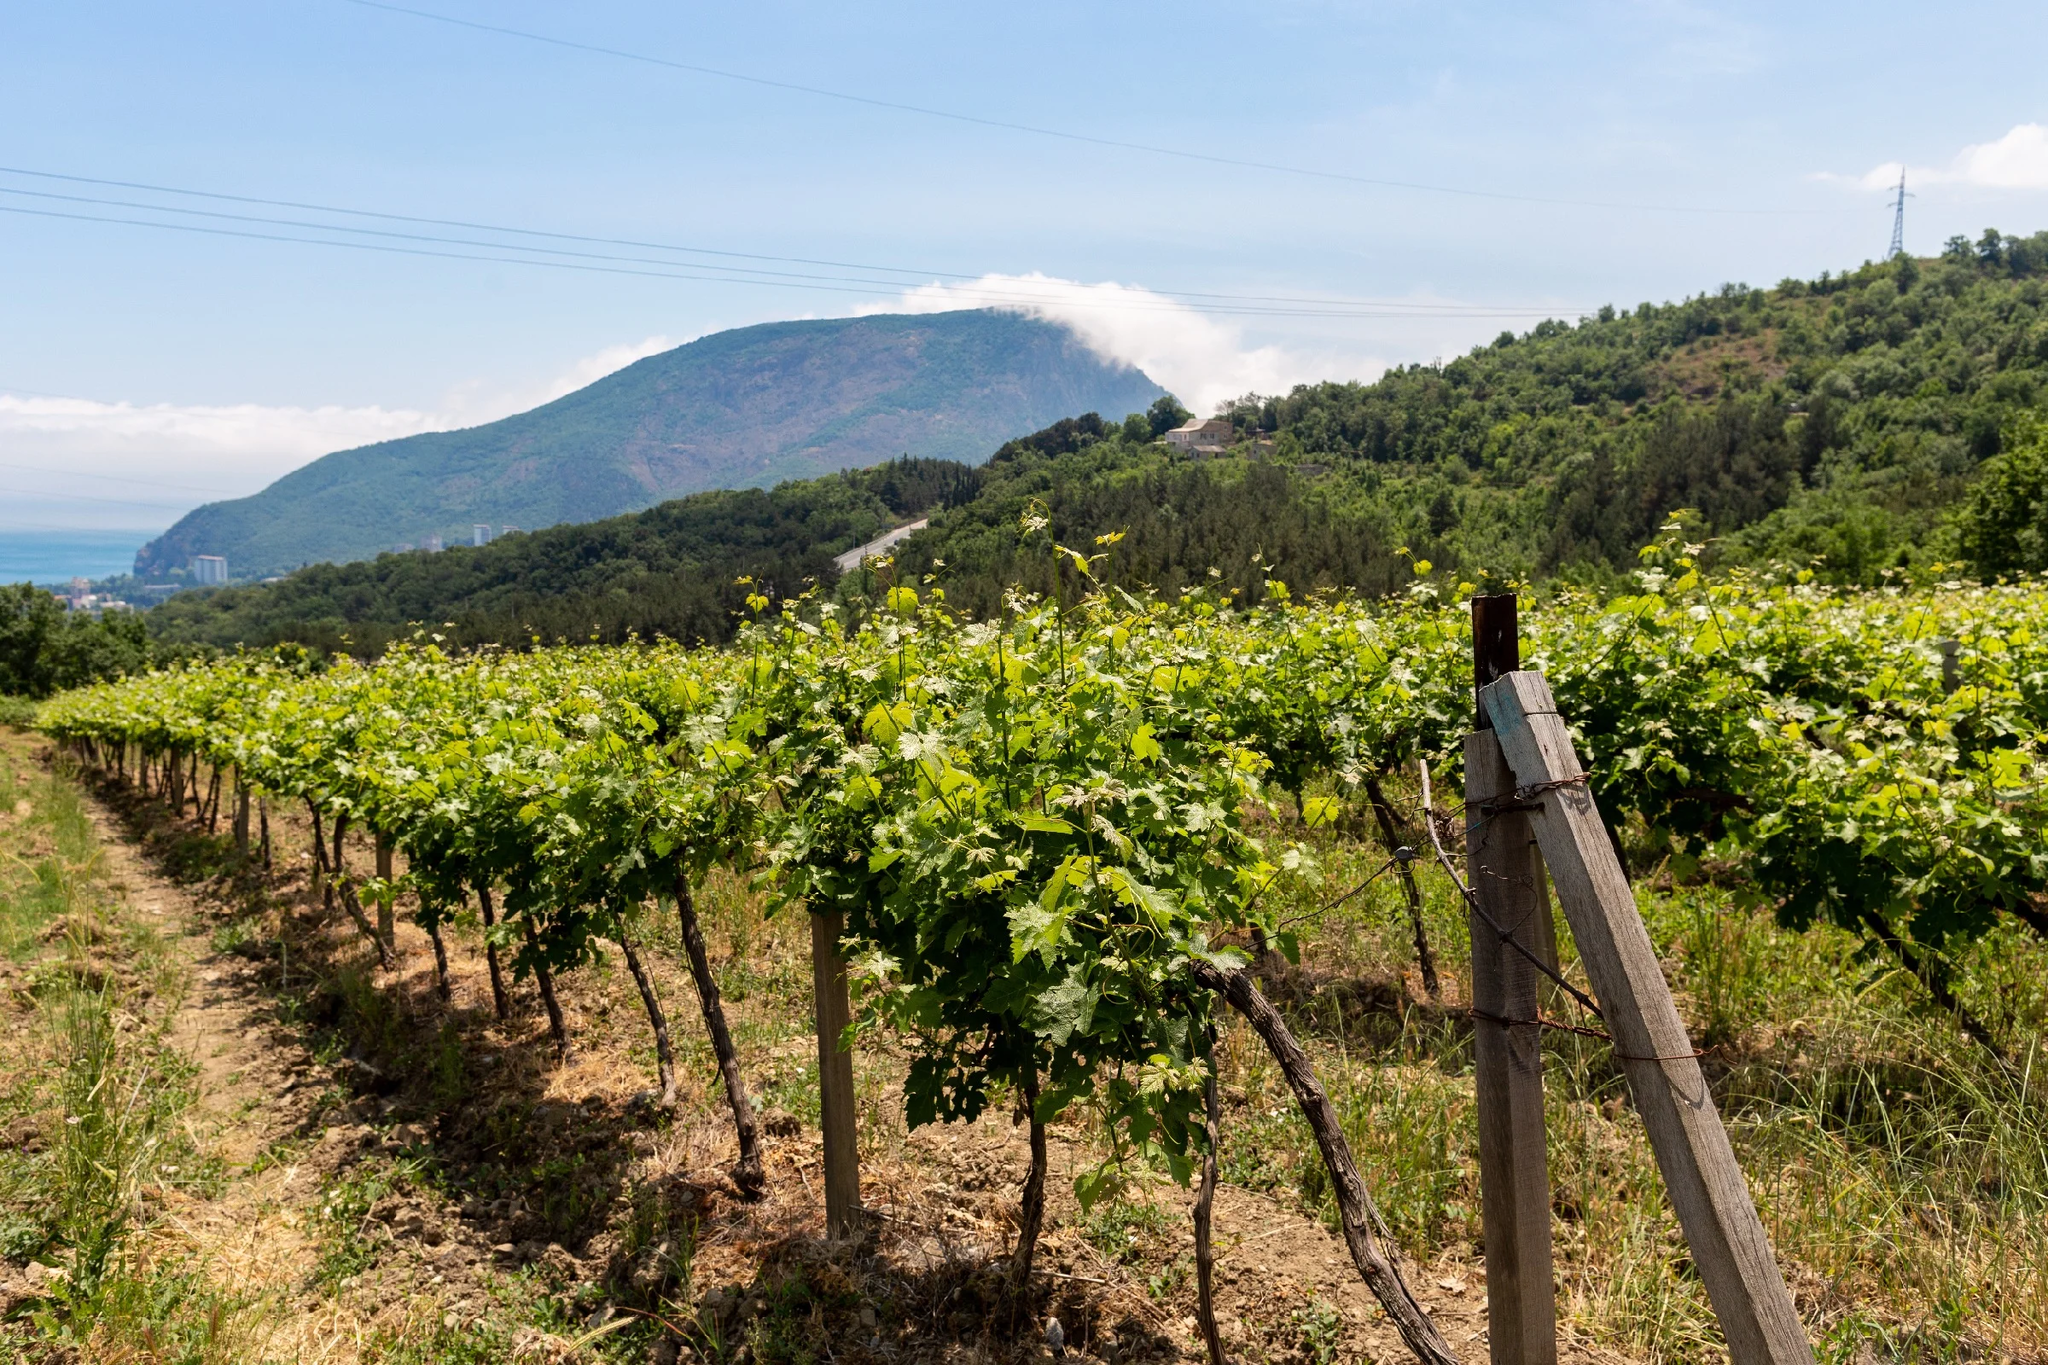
{"points": [[1068, 859]]}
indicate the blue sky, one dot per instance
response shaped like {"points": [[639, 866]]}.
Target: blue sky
{"points": [[1607, 152]]}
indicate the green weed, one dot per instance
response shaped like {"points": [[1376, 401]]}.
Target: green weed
{"points": [[1119, 1228], [1320, 1329], [479, 1343], [349, 1248], [448, 1082], [796, 1092]]}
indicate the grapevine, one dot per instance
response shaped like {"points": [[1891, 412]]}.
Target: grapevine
{"points": [[1049, 834]]}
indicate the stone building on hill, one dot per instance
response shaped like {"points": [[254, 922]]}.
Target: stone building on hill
{"points": [[1202, 438]]}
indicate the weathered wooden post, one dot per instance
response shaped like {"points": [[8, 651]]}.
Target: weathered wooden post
{"points": [[387, 924], [1514, 1178], [1707, 1190], [835, 1077], [241, 825]]}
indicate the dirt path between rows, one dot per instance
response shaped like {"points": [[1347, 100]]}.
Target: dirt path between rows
{"points": [[256, 1090], [284, 1123]]}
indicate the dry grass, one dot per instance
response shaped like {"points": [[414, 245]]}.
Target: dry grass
{"points": [[1901, 1171], [1903, 1175]]}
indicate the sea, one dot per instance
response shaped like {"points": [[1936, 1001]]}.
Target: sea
{"points": [[55, 557]]}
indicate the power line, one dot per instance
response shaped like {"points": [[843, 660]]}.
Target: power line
{"points": [[1063, 134], [117, 478], [463, 223], [87, 497], [997, 296], [1397, 306]]}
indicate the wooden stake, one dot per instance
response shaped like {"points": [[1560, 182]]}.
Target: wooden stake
{"points": [[241, 825], [387, 926], [318, 885], [1507, 1065], [835, 1077], [1507, 1061], [1205, 1218], [1729, 1248], [499, 1003], [748, 1175]]}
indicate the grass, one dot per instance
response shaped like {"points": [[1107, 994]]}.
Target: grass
{"points": [[105, 1092], [1902, 1174], [347, 1247], [1120, 1228]]}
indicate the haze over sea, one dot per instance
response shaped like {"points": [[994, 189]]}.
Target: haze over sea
{"points": [[57, 556]]}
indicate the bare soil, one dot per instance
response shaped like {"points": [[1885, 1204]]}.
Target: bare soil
{"points": [[516, 1200]]}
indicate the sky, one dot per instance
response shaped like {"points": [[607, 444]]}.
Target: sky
{"points": [[1237, 197]]}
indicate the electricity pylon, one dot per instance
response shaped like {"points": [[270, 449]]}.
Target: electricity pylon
{"points": [[1899, 219]]}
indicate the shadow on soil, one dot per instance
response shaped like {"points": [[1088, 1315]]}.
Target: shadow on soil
{"points": [[549, 1186]]}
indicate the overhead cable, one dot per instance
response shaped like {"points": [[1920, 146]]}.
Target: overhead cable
{"points": [[916, 275], [992, 294], [1067, 135]]}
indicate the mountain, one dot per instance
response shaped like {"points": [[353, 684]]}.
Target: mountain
{"points": [[746, 408], [670, 570], [1858, 425]]}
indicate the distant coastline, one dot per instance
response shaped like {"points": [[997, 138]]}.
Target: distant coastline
{"points": [[57, 556]]}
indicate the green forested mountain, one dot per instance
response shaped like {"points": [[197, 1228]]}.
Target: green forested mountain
{"points": [[1857, 424], [747, 408], [671, 570], [1841, 417]]}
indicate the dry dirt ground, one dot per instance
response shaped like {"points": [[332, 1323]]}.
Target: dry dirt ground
{"points": [[412, 1179]]}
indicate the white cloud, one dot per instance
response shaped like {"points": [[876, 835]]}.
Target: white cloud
{"points": [[478, 401], [2017, 161], [78, 461], [1204, 360], [592, 368]]}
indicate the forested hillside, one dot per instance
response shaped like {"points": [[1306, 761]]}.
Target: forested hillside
{"points": [[1839, 417], [746, 408], [1843, 423], [670, 570]]}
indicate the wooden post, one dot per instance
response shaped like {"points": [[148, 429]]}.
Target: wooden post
{"points": [[241, 825], [835, 1077], [316, 886], [1507, 1061], [387, 924], [1720, 1222]]}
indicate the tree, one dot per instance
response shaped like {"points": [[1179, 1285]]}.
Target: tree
{"points": [[44, 648], [2005, 524], [1166, 413], [28, 618], [1991, 249]]}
